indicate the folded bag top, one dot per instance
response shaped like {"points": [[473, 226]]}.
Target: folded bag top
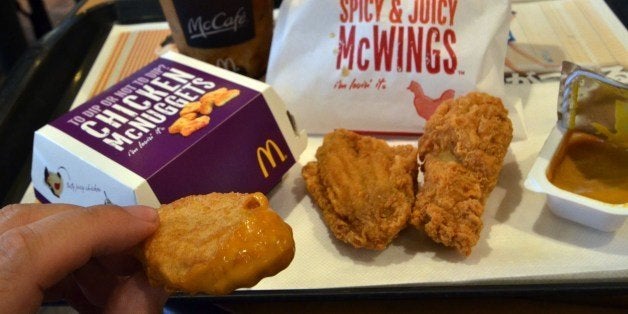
{"points": [[384, 66]]}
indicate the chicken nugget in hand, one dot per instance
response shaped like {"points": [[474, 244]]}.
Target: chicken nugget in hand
{"points": [[216, 243], [462, 151]]}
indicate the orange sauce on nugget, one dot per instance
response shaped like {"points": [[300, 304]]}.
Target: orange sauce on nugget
{"points": [[590, 166]]}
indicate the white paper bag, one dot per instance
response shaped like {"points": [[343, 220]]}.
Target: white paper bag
{"points": [[384, 65]]}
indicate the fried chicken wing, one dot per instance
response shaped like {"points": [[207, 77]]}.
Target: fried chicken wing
{"points": [[217, 243], [364, 188], [461, 151]]}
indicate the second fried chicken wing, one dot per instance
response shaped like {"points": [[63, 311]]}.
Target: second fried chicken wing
{"points": [[462, 151]]}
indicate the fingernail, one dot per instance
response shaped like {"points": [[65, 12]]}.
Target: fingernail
{"points": [[142, 212]]}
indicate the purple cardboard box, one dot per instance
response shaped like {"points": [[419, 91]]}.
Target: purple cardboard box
{"points": [[122, 147]]}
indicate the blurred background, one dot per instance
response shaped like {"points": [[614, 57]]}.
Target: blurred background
{"points": [[23, 22]]}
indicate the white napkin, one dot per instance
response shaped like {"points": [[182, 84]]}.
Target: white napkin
{"points": [[522, 241]]}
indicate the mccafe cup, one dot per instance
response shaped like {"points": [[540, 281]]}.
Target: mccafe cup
{"points": [[232, 34]]}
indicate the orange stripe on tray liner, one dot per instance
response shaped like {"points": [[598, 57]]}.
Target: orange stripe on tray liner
{"points": [[547, 32], [132, 51], [110, 63], [584, 37], [573, 48], [607, 37]]}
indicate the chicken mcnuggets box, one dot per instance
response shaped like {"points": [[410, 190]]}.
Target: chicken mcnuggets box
{"points": [[174, 128]]}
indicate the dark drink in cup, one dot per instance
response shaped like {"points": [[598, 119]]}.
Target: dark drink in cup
{"points": [[232, 34]]}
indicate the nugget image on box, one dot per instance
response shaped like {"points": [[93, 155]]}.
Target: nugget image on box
{"points": [[176, 127]]}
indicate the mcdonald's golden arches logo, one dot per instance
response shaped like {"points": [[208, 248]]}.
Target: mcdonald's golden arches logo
{"points": [[228, 64], [268, 154]]}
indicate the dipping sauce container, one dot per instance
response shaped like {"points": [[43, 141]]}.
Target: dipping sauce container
{"points": [[583, 165]]}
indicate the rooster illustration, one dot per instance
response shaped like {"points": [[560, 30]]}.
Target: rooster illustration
{"points": [[425, 105]]}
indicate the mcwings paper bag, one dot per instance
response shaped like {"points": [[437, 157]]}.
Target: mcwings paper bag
{"points": [[384, 65]]}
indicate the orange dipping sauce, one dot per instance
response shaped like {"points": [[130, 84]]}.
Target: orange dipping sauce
{"points": [[590, 166]]}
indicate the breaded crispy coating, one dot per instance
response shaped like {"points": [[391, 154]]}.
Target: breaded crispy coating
{"points": [[194, 125], [364, 188], [179, 124], [225, 97], [190, 121], [192, 107], [210, 97], [461, 151], [217, 243]]}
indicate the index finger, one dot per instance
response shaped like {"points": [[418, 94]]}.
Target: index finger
{"points": [[15, 215]]}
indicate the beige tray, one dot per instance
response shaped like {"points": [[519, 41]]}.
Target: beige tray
{"points": [[522, 241]]}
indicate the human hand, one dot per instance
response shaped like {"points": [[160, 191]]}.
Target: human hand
{"points": [[81, 255]]}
